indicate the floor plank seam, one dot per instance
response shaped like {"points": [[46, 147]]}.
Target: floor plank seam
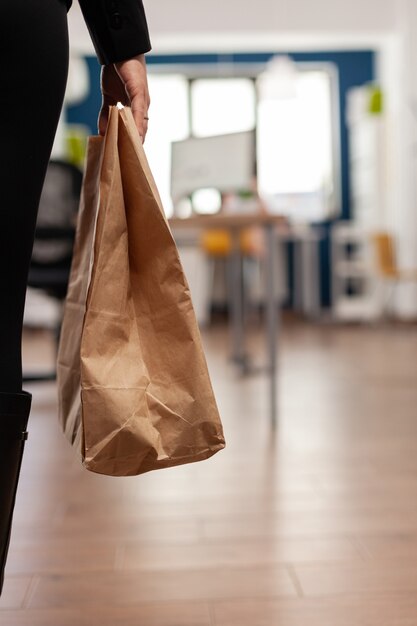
{"points": [[59, 515], [294, 579], [212, 614], [30, 592], [362, 550]]}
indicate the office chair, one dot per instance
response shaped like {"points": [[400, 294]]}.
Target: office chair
{"points": [[54, 238], [218, 246], [386, 264]]}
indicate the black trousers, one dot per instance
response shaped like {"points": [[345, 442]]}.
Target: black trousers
{"points": [[33, 74]]}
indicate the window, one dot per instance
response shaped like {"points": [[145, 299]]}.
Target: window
{"points": [[295, 149], [169, 121], [222, 105], [297, 137]]}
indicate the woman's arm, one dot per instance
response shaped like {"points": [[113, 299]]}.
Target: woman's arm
{"points": [[118, 28], [120, 35]]}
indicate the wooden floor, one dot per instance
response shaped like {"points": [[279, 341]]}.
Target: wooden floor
{"points": [[315, 526]]}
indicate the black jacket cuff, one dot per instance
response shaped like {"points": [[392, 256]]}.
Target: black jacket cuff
{"points": [[118, 28]]}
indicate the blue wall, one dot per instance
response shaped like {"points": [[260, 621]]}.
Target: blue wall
{"points": [[354, 67]]}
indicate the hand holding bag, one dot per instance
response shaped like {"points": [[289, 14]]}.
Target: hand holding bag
{"points": [[134, 390]]}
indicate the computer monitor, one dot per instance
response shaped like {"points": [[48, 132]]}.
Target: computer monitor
{"points": [[225, 162]]}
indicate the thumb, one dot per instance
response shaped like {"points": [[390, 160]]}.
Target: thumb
{"points": [[103, 119]]}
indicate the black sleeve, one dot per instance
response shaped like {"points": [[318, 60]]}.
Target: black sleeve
{"points": [[118, 28]]}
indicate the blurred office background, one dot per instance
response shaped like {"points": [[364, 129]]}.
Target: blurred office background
{"points": [[328, 96], [306, 112]]}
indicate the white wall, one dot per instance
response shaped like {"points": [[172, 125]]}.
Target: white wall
{"points": [[178, 22], [166, 16], [403, 98]]}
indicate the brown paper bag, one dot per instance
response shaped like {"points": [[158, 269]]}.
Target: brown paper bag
{"points": [[134, 390]]}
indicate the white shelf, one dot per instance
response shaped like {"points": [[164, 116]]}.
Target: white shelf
{"points": [[351, 268], [347, 269], [356, 308]]}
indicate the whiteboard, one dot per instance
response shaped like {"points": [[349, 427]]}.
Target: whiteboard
{"points": [[225, 162]]}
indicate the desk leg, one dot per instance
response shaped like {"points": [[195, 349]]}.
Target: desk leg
{"points": [[310, 261], [272, 318], [236, 303]]}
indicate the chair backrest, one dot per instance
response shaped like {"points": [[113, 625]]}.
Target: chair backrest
{"points": [[57, 213], [55, 229], [385, 254]]}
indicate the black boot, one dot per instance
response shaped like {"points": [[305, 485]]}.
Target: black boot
{"points": [[14, 414]]}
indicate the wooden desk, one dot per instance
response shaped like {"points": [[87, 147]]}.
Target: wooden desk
{"points": [[227, 221], [234, 224]]}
